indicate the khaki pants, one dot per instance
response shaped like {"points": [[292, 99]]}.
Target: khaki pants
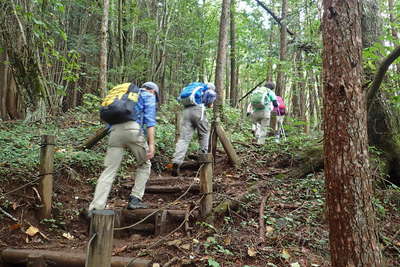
{"points": [[193, 118], [123, 135], [262, 120]]}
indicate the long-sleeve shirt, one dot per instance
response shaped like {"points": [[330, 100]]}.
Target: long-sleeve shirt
{"points": [[146, 109]]}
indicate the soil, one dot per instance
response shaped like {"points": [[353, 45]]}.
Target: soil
{"points": [[295, 231]]}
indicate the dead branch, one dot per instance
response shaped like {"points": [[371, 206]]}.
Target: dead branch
{"points": [[383, 67]]}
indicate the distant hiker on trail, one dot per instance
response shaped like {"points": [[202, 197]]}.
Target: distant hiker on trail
{"points": [[249, 112], [262, 100], [195, 97], [128, 109], [280, 112]]}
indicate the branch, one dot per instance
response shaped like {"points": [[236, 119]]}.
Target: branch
{"points": [[278, 20], [251, 90], [373, 90]]}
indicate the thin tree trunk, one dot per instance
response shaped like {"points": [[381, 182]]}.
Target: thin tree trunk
{"points": [[103, 49], [3, 85], [280, 81], [233, 89], [352, 227]]}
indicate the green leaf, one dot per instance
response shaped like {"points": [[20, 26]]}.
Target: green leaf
{"points": [[213, 263]]}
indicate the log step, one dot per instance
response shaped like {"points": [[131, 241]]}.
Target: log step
{"points": [[62, 258]]}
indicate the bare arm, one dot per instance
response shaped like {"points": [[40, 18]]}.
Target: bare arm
{"points": [[150, 141]]}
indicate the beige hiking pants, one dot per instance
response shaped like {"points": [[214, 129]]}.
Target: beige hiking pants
{"points": [[123, 135], [262, 120], [193, 118]]}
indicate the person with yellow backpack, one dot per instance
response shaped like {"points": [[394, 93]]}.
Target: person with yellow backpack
{"points": [[131, 113], [262, 101]]}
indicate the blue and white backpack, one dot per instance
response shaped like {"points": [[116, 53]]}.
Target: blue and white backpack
{"points": [[197, 93], [192, 94]]}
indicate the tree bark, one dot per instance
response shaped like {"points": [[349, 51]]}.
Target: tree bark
{"points": [[221, 57], [103, 49], [234, 93], [352, 227], [280, 81]]}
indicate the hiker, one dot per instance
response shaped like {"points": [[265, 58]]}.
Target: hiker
{"points": [[249, 112], [128, 132], [280, 112], [263, 99], [195, 97]]}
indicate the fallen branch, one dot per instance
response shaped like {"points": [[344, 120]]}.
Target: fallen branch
{"points": [[9, 215], [261, 218]]}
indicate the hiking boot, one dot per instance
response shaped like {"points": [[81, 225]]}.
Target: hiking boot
{"points": [[136, 203], [176, 169]]}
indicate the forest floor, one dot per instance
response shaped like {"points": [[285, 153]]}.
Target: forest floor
{"points": [[295, 231]]}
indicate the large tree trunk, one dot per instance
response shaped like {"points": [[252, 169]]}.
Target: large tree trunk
{"points": [[352, 227], [221, 57]]}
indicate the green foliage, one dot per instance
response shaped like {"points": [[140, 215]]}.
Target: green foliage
{"points": [[90, 103], [21, 148]]}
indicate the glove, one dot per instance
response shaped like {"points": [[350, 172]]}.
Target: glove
{"points": [[275, 103]]}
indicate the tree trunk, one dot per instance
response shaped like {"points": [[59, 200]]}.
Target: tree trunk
{"points": [[3, 85], [352, 227], [103, 49], [233, 90], [221, 57], [280, 81]]}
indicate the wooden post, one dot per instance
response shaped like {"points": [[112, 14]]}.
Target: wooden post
{"points": [[177, 126], [226, 143], [206, 184], [46, 174], [101, 239], [94, 139]]}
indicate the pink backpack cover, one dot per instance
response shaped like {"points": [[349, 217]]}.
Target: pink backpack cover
{"points": [[281, 109]]}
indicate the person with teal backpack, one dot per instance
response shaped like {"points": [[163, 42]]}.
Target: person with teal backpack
{"points": [[194, 97], [262, 101]]}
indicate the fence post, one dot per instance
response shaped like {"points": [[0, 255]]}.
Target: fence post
{"points": [[101, 239], [46, 174], [206, 184]]}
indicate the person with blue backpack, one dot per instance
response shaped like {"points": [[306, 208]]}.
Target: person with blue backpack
{"points": [[262, 100], [195, 97], [131, 113]]}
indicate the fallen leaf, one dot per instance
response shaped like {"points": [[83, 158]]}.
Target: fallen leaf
{"points": [[186, 246], [31, 231], [251, 252], [285, 254], [175, 242], [14, 206], [227, 241], [15, 226], [169, 166], [119, 250], [269, 230], [156, 265], [68, 236], [295, 264]]}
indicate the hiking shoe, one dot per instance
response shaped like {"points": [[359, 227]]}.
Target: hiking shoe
{"points": [[136, 203], [176, 169]]}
